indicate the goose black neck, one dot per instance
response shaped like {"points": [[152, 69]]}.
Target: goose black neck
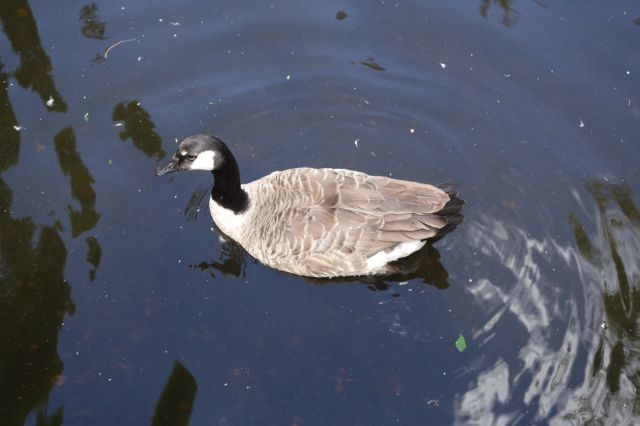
{"points": [[226, 187]]}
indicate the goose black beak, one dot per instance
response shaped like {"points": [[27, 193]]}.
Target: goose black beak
{"points": [[169, 168]]}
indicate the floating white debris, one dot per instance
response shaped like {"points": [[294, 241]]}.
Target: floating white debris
{"points": [[581, 125], [288, 77], [356, 142], [18, 128], [412, 130], [86, 117], [603, 325], [175, 23], [403, 283], [50, 101], [160, 19], [442, 65], [506, 75], [118, 125], [628, 72], [139, 58]]}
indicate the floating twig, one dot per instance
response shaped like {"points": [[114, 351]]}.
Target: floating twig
{"points": [[106, 52]]}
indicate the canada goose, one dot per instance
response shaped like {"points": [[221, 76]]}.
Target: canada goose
{"points": [[319, 222]]}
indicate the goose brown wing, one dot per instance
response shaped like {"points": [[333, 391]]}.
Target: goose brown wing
{"points": [[354, 216]]}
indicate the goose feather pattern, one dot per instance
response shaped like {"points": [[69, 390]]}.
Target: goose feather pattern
{"points": [[325, 222]]}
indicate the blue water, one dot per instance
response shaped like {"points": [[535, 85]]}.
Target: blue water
{"points": [[119, 304]]}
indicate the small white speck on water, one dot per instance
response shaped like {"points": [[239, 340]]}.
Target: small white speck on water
{"points": [[175, 35], [603, 325], [470, 280], [50, 101], [160, 19], [442, 65], [175, 196], [288, 77], [18, 128], [373, 154], [506, 75], [174, 24], [225, 384], [139, 58], [403, 283], [628, 72], [118, 125], [412, 130], [581, 124], [179, 260], [356, 142]]}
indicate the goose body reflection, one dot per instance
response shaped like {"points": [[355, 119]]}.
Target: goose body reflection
{"points": [[320, 223]]}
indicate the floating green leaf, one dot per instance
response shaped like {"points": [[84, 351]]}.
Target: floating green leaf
{"points": [[461, 344]]}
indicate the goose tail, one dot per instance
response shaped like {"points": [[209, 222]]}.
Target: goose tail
{"points": [[452, 212]]}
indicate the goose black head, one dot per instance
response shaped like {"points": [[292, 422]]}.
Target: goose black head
{"points": [[197, 152]]}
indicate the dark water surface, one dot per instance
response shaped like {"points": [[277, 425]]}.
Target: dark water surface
{"points": [[119, 305]]}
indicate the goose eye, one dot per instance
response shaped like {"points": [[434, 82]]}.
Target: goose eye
{"points": [[191, 157]]}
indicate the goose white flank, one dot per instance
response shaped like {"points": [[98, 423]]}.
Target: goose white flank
{"points": [[319, 222]]}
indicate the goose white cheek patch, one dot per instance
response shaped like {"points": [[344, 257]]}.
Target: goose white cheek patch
{"points": [[204, 161]]}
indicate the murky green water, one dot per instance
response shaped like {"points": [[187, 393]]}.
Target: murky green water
{"points": [[119, 304]]}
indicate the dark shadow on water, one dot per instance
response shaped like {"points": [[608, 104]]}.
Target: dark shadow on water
{"points": [[92, 27], [176, 402], [9, 136], [72, 165], [34, 298], [139, 128], [509, 15], [231, 261], [618, 239], [372, 64], [35, 66], [94, 254], [198, 202], [34, 295]]}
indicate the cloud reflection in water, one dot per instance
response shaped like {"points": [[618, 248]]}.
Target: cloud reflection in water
{"points": [[572, 315]]}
